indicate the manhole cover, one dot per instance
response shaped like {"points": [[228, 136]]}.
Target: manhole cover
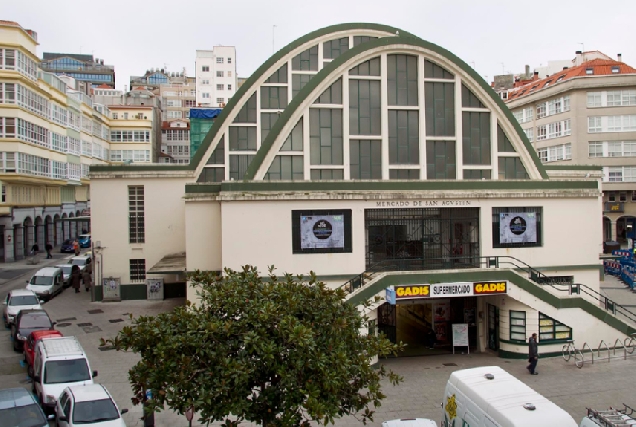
{"points": [[66, 319], [106, 348], [116, 320], [449, 364], [63, 325], [96, 311], [91, 329], [81, 325]]}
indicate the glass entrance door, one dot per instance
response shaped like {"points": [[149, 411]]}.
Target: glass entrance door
{"points": [[493, 327]]}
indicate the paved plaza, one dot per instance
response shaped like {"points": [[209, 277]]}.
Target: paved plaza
{"points": [[599, 385]]}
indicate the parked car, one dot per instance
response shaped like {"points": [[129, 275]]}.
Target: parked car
{"points": [[19, 408], [47, 282], [31, 342], [18, 299], [67, 246], [26, 322], [84, 240], [410, 422], [81, 261], [88, 404], [66, 272]]}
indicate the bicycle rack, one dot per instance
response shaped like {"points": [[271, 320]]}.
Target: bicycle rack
{"points": [[628, 345], [599, 351], [583, 352]]}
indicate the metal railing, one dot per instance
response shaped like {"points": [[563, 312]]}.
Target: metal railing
{"points": [[628, 345], [463, 262]]}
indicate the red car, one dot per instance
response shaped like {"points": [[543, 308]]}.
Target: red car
{"points": [[31, 342]]}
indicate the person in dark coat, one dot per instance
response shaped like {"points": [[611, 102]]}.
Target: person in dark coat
{"points": [[533, 354], [76, 278], [86, 277], [48, 248]]}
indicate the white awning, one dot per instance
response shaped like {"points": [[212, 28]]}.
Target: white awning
{"points": [[170, 264]]}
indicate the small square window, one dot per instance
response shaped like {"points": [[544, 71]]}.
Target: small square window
{"points": [[219, 60], [229, 87], [616, 69], [611, 196], [229, 60], [219, 87], [633, 196], [589, 71], [205, 68]]}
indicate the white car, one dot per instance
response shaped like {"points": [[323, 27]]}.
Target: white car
{"points": [[89, 404], [410, 422], [81, 261], [18, 299], [66, 271]]}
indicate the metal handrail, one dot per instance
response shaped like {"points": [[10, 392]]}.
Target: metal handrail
{"points": [[467, 261]]}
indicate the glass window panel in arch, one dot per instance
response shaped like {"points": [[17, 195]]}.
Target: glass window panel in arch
{"points": [[362, 39], [326, 174], [434, 71], [365, 158], [367, 68], [441, 160], [288, 168], [212, 175], [439, 101], [307, 60], [242, 138], [332, 95], [294, 141], [402, 80], [273, 97], [239, 164], [512, 168], [334, 48], [299, 81], [218, 155], [476, 138], [410, 174], [267, 122], [365, 107], [477, 174], [469, 99], [404, 138], [247, 114], [279, 76], [503, 143], [325, 136]]}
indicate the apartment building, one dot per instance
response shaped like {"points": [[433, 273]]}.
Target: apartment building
{"points": [[79, 66], [216, 77], [586, 115]]}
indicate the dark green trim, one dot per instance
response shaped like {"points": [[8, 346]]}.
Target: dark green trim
{"points": [[545, 343], [321, 186], [250, 85], [99, 293], [141, 167], [574, 167], [523, 283], [505, 354], [371, 45], [570, 267]]}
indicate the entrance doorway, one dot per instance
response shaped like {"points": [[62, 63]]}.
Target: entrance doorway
{"points": [[421, 238], [493, 327]]}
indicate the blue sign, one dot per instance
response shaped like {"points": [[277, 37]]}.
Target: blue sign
{"points": [[390, 296]]}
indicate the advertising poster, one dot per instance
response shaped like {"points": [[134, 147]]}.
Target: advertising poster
{"points": [[322, 231], [441, 311], [518, 227], [460, 335]]}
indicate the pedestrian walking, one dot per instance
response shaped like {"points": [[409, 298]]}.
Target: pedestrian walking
{"points": [[533, 354], [76, 247], [48, 248], [35, 249], [86, 277], [76, 278]]}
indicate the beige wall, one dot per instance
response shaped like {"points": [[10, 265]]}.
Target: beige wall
{"points": [[164, 222]]}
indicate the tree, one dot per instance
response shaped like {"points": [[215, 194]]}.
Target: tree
{"points": [[279, 352]]}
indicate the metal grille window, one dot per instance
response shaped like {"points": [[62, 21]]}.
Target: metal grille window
{"points": [[307, 60], [496, 226], [137, 270], [402, 80], [136, 215], [334, 48], [518, 326], [551, 330]]}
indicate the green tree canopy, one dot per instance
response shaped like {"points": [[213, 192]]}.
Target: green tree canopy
{"points": [[273, 351]]}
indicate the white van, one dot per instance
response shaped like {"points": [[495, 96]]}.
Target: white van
{"points": [[488, 396], [58, 363], [47, 282]]}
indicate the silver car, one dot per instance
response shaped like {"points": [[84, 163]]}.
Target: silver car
{"points": [[47, 282], [18, 299]]}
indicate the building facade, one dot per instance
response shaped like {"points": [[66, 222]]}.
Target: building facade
{"points": [[80, 67], [378, 161], [586, 115], [216, 79]]}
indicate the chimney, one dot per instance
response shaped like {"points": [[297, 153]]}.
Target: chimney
{"points": [[535, 76], [527, 70], [578, 60], [565, 68], [620, 57]]}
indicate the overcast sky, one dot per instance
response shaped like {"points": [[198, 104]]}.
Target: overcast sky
{"points": [[492, 36]]}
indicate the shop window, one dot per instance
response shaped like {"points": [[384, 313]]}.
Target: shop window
{"points": [[611, 196], [518, 326], [518, 227], [622, 196], [551, 330], [633, 196]]}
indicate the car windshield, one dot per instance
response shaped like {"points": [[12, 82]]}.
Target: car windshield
{"points": [[66, 269], [22, 416], [79, 262], [24, 300], [94, 411], [31, 321], [42, 280], [66, 371]]}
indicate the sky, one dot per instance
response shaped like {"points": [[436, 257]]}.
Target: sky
{"points": [[493, 36]]}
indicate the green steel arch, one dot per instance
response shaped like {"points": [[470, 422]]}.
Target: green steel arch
{"points": [[379, 44]]}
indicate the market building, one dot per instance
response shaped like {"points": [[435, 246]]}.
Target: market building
{"points": [[387, 166]]}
